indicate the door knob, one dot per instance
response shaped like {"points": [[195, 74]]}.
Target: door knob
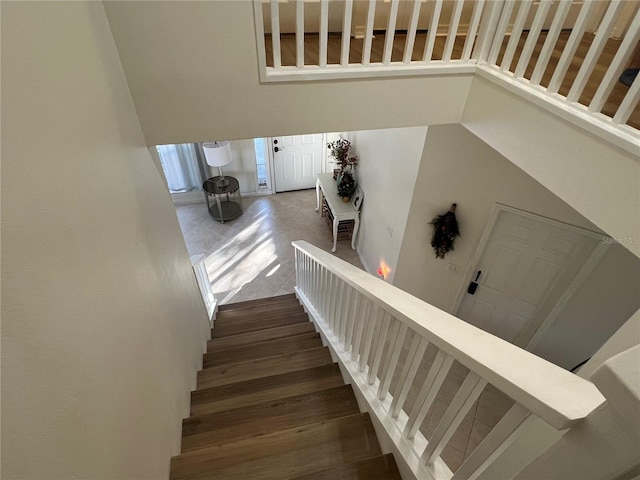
{"points": [[277, 149]]}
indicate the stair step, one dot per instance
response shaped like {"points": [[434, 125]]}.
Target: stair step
{"points": [[262, 367], [262, 349], [284, 454], [268, 334], [234, 328], [265, 389], [382, 467], [258, 301], [253, 316], [206, 430], [259, 309]]}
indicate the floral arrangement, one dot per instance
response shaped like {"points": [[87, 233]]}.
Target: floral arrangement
{"points": [[339, 150], [347, 186]]}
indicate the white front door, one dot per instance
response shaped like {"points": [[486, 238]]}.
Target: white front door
{"points": [[297, 160], [527, 265]]}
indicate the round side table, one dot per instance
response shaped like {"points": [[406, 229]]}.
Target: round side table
{"points": [[228, 202]]}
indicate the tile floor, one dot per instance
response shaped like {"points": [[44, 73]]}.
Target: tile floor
{"points": [[252, 257]]}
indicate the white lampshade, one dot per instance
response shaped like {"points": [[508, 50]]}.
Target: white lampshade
{"points": [[218, 154]]}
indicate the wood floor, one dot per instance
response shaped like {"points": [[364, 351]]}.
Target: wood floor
{"points": [[311, 46], [271, 404]]}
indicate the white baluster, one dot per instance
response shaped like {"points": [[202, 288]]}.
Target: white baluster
{"points": [[350, 320], [392, 363], [390, 33], [464, 399], [411, 33], [275, 34], [501, 30], [301, 268], [363, 318], [629, 103], [376, 316], [428, 392], [478, 7], [379, 348], [620, 60], [324, 32], [299, 33], [312, 291], [598, 44], [368, 34], [433, 31], [453, 30], [355, 319], [326, 297], [348, 313], [496, 442], [550, 42], [516, 33], [487, 27], [408, 374], [346, 33], [334, 301], [340, 308], [571, 47], [532, 38]]}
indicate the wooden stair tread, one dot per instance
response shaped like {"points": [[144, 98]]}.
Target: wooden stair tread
{"points": [[262, 349], [284, 454], [382, 467], [202, 431], [265, 389], [271, 404], [235, 328], [264, 309], [235, 341], [263, 367], [258, 301]]}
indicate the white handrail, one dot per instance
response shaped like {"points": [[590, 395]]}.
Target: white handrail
{"points": [[361, 314]]}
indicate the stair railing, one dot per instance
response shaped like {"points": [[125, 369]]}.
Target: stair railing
{"points": [[368, 322], [472, 36]]}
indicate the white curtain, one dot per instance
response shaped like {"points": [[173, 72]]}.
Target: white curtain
{"points": [[181, 167]]}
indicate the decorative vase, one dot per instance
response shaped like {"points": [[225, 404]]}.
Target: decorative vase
{"points": [[346, 199]]}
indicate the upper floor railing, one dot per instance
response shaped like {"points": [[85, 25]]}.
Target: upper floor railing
{"points": [[381, 335], [572, 52]]}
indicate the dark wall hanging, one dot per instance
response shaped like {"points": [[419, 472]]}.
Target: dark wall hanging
{"points": [[445, 230]]}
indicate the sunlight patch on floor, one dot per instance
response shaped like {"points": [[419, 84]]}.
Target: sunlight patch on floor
{"points": [[242, 259]]}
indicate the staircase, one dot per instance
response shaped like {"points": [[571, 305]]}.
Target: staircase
{"points": [[271, 404]]}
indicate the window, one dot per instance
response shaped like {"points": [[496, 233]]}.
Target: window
{"points": [[262, 163]]}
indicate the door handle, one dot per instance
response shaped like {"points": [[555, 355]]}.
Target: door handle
{"points": [[277, 149], [473, 286]]}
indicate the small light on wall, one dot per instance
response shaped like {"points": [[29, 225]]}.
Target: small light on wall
{"points": [[383, 270]]}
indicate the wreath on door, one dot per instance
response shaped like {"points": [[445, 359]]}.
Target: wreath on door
{"points": [[445, 230]]}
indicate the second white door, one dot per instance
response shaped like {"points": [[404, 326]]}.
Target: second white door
{"points": [[297, 160]]}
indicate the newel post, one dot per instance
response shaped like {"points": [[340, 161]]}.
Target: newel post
{"points": [[605, 445]]}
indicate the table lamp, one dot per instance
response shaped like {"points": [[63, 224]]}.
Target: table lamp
{"points": [[218, 154]]}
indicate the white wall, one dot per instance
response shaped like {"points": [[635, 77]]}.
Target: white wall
{"points": [[458, 167], [387, 168], [193, 73], [102, 324], [627, 336], [599, 180], [605, 301]]}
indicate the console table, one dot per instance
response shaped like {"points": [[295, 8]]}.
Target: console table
{"points": [[340, 210], [224, 207]]}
